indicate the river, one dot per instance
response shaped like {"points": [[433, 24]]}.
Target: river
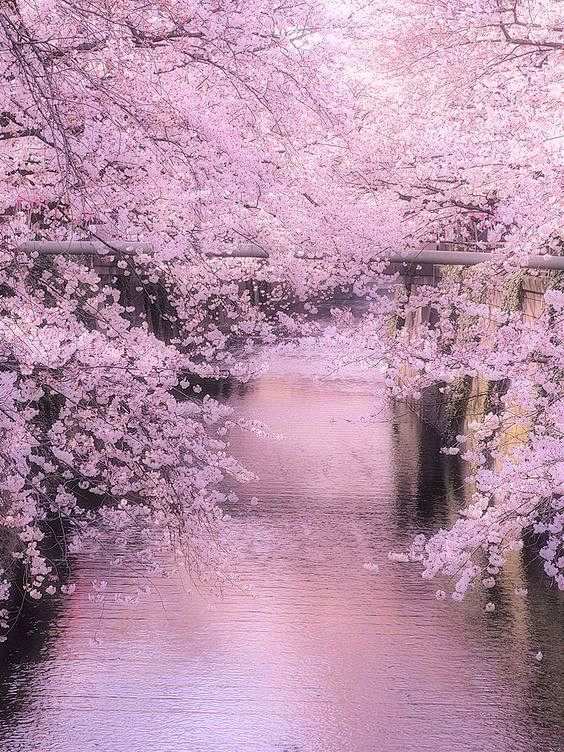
{"points": [[326, 655]]}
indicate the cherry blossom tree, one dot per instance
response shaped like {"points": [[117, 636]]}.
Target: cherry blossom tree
{"points": [[183, 126], [463, 138], [341, 132]]}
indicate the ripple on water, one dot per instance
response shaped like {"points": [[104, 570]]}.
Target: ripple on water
{"points": [[327, 656]]}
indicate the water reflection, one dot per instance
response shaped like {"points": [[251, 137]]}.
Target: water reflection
{"points": [[327, 656]]}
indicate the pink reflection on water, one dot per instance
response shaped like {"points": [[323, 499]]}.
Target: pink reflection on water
{"points": [[327, 656]]}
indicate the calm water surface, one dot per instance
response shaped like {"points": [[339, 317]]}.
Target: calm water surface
{"points": [[327, 656]]}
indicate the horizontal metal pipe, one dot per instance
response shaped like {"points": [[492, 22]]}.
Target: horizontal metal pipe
{"points": [[441, 258], [78, 247], [469, 258], [455, 258], [95, 247], [245, 250]]}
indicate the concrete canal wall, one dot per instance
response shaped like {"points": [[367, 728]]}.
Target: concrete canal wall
{"points": [[470, 398]]}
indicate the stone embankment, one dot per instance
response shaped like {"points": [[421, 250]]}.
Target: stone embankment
{"points": [[470, 398]]}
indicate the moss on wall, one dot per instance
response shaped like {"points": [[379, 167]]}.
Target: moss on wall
{"points": [[455, 405], [402, 291], [494, 391], [512, 297]]}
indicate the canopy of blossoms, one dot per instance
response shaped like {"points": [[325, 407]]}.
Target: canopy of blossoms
{"points": [[343, 132]]}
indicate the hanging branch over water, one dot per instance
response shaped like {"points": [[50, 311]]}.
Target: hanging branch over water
{"points": [[345, 132]]}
